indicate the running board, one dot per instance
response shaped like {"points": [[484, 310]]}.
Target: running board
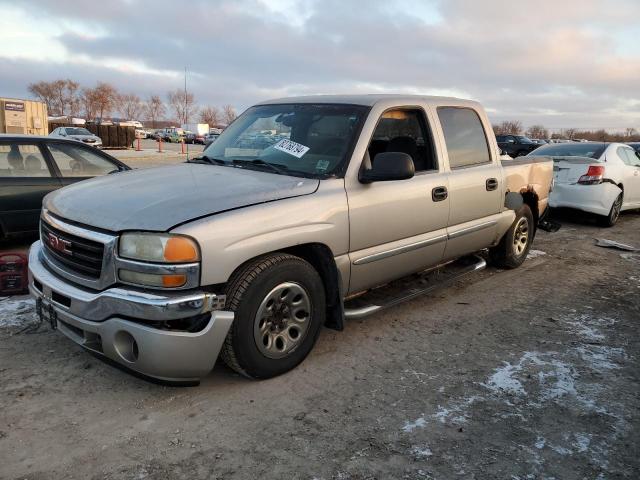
{"points": [[408, 288]]}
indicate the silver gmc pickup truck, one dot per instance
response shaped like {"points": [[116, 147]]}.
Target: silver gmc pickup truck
{"points": [[289, 221]]}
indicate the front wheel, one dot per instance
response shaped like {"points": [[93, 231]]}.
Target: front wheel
{"points": [[279, 305], [512, 250], [611, 219]]}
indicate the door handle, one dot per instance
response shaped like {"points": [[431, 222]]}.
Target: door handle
{"points": [[439, 194], [491, 184]]}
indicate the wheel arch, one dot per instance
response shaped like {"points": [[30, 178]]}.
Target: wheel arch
{"points": [[531, 199], [321, 258]]}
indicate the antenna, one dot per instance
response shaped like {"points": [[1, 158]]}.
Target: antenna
{"points": [[185, 106]]}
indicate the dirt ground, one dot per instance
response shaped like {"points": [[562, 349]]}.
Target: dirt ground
{"points": [[524, 374]]}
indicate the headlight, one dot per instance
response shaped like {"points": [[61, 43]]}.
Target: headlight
{"points": [[158, 247]]}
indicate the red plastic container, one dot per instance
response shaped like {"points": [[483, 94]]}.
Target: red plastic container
{"points": [[14, 273]]}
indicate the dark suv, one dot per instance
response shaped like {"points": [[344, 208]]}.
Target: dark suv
{"points": [[515, 145]]}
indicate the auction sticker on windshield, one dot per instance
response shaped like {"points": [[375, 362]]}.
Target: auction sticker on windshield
{"points": [[292, 148]]}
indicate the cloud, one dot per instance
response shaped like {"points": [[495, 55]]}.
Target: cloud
{"points": [[559, 63]]}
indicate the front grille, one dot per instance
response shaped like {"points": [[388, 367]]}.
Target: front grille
{"points": [[73, 253]]}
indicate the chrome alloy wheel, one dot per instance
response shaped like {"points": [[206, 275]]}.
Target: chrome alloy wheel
{"points": [[521, 236], [282, 320]]}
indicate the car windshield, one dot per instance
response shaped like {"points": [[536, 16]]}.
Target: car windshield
{"points": [[78, 131], [297, 139], [586, 149], [523, 139]]}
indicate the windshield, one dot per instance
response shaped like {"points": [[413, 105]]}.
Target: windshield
{"points": [[304, 139], [586, 149], [78, 131], [523, 139]]}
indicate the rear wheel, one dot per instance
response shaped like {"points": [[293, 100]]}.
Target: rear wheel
{"points": [[279, 305], [512, 250], [611, 219]]}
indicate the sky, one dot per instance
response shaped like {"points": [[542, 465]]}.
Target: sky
{"points": [[561, 63]]}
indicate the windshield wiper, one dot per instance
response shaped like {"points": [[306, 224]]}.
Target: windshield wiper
{"points": [[207, 159], [261, 163]]}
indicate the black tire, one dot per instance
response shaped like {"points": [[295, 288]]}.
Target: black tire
{"points": [[511, 252], [247, 291], [611, 219]]}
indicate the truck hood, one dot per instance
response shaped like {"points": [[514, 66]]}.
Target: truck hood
{"points": [[160, 198]]}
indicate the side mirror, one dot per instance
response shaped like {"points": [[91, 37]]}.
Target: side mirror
{"points": [[389, 166]]}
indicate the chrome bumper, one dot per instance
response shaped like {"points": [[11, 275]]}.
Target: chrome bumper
{"points": [[98, 322]]}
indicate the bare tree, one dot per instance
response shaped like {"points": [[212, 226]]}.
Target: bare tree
{"points": [[210, 115], [228, 114], [183, 105], [60, 96], [72, 90], [569, 133], [44, 92], [130, 106], [89, 103], [630, 132], [99, 101], [154, 109], [508, 127], [537, 131]]}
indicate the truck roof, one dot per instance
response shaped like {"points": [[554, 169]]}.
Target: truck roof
{"points": [[372, 99]]}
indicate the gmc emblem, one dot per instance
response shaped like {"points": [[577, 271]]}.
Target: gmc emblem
{"points": [[59, 244]]}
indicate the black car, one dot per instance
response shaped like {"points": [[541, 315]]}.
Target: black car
{"points": [[515, 145], [635, 146], [32, 166]]}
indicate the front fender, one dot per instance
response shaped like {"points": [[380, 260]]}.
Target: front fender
{"points": [[227, 240]]}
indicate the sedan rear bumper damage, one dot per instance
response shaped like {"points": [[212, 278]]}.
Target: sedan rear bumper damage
{"points": [[596, 199], [105, 324]]}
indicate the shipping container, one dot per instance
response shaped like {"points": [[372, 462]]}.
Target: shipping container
{"points": [[23, 116]]}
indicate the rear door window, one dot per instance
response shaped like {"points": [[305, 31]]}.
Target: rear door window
{"points": [[629, 156], [77, 161], [464, 136], [22, 160]]}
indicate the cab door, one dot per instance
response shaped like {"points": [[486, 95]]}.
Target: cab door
{"points": [[398, 227], [475, 182]]}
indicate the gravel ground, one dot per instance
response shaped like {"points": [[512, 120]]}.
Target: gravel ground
{"points": [[524, 374]]}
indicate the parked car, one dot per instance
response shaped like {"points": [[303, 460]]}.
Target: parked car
{"points": [[515, 145], [595, 177], [77, 133], [172, 134], [189, 137], [32, 166], [249, 251], [635, 146], [209, 138]]}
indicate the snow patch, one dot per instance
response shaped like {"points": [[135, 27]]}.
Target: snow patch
{"points": [[583, 440], [420, 422], [535, 254], [16, 312], [421, 451], [503, 380]]}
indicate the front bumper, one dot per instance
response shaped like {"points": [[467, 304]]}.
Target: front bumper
{"points": [[101, 322], [596, 199]]}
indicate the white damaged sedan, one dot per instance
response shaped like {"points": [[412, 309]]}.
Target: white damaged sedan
{"points": [[595, 177]]}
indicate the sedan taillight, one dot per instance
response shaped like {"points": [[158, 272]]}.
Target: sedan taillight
{"points": [[593, 176]]}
